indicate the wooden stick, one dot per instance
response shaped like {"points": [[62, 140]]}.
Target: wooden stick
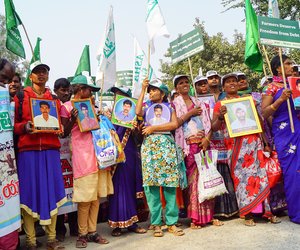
{"points": [[267, 58], [285, 86], [101, 94], [148, 68], [191, 73], [28, 40]]}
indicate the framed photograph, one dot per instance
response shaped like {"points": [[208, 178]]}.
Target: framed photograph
{"points": [[87, 119], [124, 111], [157, 114], [210, 100], [45, 116], [241, 117], [295, 87]]}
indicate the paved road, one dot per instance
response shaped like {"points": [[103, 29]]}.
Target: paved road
{"points": [[233, 235]]}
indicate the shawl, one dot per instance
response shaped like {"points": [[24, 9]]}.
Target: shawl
{"points": [[181, 109]]}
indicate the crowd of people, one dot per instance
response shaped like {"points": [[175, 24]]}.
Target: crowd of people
{"points": [[160, 170]]}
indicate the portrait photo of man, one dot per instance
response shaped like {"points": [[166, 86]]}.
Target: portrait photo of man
{"points": [[158, 118], [45, 119], [241, 122], [87, 122], [125, 114]]}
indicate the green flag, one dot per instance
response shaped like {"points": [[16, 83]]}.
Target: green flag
{"points": [[253, 57], [13, 37], [84, 66], [36, 57]]}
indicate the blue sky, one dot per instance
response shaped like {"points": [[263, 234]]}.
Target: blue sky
{"points": [[65, 26]]}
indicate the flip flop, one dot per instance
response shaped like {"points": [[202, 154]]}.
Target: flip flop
{"points": [[175, 230], [158, 232], [116, 232]]}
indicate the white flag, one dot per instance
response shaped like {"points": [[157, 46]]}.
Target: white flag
{"points": [[106, 56], [140, 70], [273, 10], [155, 23]]}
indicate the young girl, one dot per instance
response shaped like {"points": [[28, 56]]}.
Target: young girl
{"points": [[90, 183], [159, 160]]}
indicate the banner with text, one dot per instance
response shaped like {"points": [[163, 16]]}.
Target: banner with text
{"points": [[124, 78], [279, 32], [186, 45]]}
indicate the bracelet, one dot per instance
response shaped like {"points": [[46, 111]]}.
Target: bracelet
{"points": [[206, 139], [272, 107]]}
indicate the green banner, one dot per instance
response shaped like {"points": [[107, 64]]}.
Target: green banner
{"points": [[124, 78], [186, 45], [279, 32]]}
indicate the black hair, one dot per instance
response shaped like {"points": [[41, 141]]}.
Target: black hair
{"points": [[44, 103], [275, 63], [177, 80], [3, 62], [83, 105], [19, 77], [61, 83], [298, 81], [158, 106], [127, 102]]}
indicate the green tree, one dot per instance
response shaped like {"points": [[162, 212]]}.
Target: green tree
{"points": [[21, 65], [289, 9]]}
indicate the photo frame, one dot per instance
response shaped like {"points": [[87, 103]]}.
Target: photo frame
{"points": [[157, 114], [124, 111], [295, 87], [210, 100], [241, 117], [45, 116], [87, 119]]}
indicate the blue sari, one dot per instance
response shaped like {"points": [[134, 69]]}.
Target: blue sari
{"points": [[288, 148]]}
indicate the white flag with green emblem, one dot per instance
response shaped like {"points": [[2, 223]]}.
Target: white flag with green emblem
{"points": [[140, 69], [155, 21], [106, 56]]}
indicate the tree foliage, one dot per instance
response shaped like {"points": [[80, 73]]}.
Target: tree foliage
{"points": [[289, 9], [21, 65]]}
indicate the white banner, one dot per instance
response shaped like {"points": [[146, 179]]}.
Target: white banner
{"points": [[140, 70], [106, 56], [10, 217], [67, 171]]}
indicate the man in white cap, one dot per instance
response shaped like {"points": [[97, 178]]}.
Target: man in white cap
{"points": [[213, 79], [242, 122]]}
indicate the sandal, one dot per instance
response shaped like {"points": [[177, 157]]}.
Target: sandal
{"points": [[274, 219], [216, 222], [137, 230], [54, 245], [116, 232], [81, 242], [175, 230], [95, 237], [158, 232], [195, 226], [249, 223]]}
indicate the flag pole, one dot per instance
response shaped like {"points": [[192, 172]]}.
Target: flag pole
{"points": [[285, 86], [149, 50], [191, 73], [28, 40], [267, 57], [101, 94]]}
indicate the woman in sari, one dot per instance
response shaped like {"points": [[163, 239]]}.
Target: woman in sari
{"points": [[274, 104], [193, 135], [159, 158], [249, 176]]}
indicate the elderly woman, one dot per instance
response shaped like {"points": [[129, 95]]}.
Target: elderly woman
{"points": [[274, 104], [249, 176], [193, 135]]}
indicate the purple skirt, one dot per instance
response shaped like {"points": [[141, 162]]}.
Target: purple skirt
{"points": [[41, 183]]}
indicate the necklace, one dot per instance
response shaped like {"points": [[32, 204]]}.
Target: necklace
{"points": [[39, 93]]}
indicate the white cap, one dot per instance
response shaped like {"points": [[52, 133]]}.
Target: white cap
{"points": [[200, 78], [177, 77], [212, 73], [37, 64]]}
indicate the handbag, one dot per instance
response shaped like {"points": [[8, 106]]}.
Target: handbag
{"points": [[108, 148], [210, 181], [273, 168]]}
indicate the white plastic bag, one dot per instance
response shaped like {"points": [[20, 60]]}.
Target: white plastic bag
{"points": [[210, 181]]}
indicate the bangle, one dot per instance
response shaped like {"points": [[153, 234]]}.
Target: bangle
{"points": [[272, 107], [206, 139], [181, 119]]}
